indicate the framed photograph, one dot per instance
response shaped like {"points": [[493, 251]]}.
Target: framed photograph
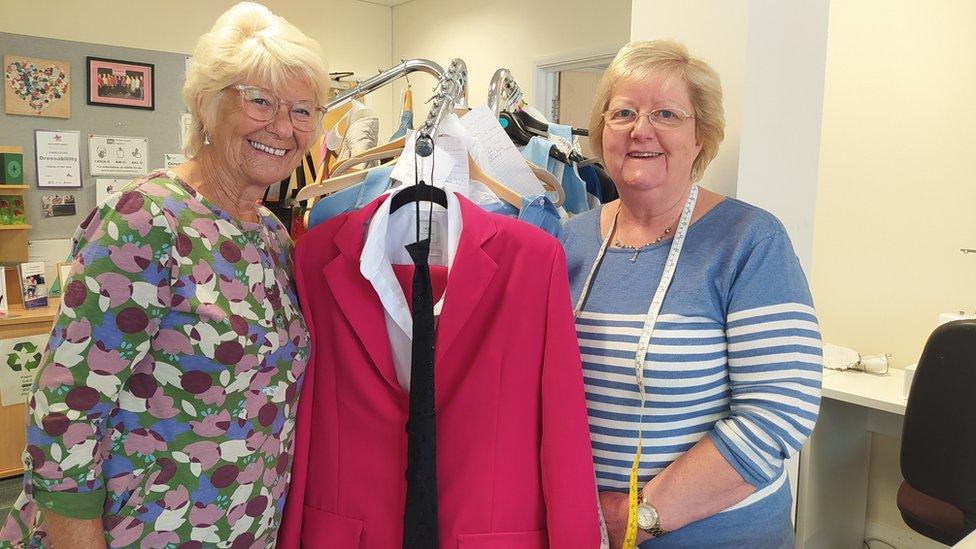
{"points": [[117, 83], [36, 87]]}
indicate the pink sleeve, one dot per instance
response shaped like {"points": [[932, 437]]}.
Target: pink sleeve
{"points": [[567, 459], [290, 531]]}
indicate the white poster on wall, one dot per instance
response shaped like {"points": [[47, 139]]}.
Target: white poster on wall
{"points": [[172, 160], [58, 158], [105, 188], [114, 155], [20, 358]]}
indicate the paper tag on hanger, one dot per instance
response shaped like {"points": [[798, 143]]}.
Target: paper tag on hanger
{"points": [[450, 162], [497, 154], [404, 172]]}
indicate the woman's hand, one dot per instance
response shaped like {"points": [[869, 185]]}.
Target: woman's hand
{"points": [[615, 514], [72, 532]]}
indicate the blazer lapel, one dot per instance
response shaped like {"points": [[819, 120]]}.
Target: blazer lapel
{"points": [[355, 295], [471, 273]]}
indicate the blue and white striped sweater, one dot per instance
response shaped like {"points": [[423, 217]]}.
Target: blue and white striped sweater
{"points": [[736, 353]]}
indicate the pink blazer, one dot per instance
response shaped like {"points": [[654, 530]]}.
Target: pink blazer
{"points": [[514, 464]]}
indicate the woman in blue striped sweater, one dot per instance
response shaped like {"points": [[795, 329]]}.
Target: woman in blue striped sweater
{"points": [[701, 350]]}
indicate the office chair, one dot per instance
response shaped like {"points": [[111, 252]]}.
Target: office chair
{"points": [[938, 446]]}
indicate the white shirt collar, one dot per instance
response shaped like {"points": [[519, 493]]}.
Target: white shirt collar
{"points": [[378, 256]]}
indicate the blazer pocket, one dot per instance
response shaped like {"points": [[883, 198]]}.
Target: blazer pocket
{"points": [[329, 530], [504, 540]]}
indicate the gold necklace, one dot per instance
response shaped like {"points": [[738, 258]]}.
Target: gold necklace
{"points": [[637, 249]]}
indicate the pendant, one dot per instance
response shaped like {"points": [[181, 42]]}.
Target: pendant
{"points": [[633, 258]]}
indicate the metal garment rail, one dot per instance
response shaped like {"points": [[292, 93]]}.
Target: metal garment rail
{"points": [[504, 92], [389, 75], [451, 90]]}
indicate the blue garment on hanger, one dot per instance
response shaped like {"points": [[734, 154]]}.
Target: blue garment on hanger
{"points": [[536, 210], [573, 184], [540, 211], [589, 175], [406, 124], [537, 152], [352, 198]]}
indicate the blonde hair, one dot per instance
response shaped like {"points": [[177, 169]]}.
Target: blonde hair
{"points": [[248, 41], [670, 60]]}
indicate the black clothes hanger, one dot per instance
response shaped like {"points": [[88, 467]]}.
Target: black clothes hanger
{"points": [[419, 193], [520, 134], [521, 127], [516, 131], [540, 128]]}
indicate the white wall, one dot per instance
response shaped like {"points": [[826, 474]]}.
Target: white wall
{"points": [[781, 114], [355, 35], [896, 193], [715, 32], [513, 34]]}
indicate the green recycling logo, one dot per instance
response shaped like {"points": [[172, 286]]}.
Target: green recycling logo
{"points": [[25, 356], [14, 170]]}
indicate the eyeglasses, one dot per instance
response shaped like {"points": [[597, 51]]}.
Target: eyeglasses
{"points": [[663, 119], [262, 105]]}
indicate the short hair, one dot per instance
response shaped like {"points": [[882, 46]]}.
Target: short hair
{"points": [[248, 41], [666, 59]]}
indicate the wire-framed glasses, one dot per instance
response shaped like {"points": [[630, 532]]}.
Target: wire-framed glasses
{"points": [[262, 105], [624, 119]]}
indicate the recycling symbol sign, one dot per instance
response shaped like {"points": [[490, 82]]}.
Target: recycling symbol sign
{"points": [[24, 356], [20, 360], [14, 169]]}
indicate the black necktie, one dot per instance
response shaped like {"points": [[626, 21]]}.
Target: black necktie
{"points": [[420, 512]]}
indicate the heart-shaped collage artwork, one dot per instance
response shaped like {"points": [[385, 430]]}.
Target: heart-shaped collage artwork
{"points": [[43, 85]]}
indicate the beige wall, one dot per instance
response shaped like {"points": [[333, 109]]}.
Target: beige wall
{"points": [[355, 35], [504, 33], [896, 192], [715, 32]]}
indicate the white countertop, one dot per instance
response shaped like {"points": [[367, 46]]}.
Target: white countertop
{"points": [[864, 389]]}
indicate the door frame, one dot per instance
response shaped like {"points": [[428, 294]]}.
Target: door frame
{"points": [[547, 69]]}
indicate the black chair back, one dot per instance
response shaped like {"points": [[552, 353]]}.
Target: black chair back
{"points": [[938, 448]]}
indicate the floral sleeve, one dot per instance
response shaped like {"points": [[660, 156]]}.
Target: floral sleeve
{"points": [[112, 303]]}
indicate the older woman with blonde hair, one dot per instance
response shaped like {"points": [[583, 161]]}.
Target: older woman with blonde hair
{"points": [[163, 411], [701, 350]]}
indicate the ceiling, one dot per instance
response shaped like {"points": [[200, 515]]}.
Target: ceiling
{"points": [[389, 3]]}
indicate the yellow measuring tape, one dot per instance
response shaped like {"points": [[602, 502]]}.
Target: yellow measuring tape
{"points": [[630, 540], [643, 343]]}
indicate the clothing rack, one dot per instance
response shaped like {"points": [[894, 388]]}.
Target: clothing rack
{"points": [[405, 67], [452, 90], [504, 92]]}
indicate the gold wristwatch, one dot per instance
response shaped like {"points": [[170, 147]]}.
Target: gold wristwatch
{"points": [[648, 519]]}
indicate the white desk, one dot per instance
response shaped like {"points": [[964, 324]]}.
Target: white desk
{"points": [[876, 392], [834, 466]]}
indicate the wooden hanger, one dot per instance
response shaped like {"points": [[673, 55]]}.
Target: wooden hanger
{"points": [[549, 182], [396, 144], [361, 159], [407, 104], [501, 191]]}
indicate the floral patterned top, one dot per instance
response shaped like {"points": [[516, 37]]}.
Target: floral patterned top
{"points": [[166, 399]]}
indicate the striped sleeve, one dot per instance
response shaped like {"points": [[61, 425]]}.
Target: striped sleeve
{"points": [[774, 354]]}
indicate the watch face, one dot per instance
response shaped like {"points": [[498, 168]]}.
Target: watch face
{"points": [[646, 516]]}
